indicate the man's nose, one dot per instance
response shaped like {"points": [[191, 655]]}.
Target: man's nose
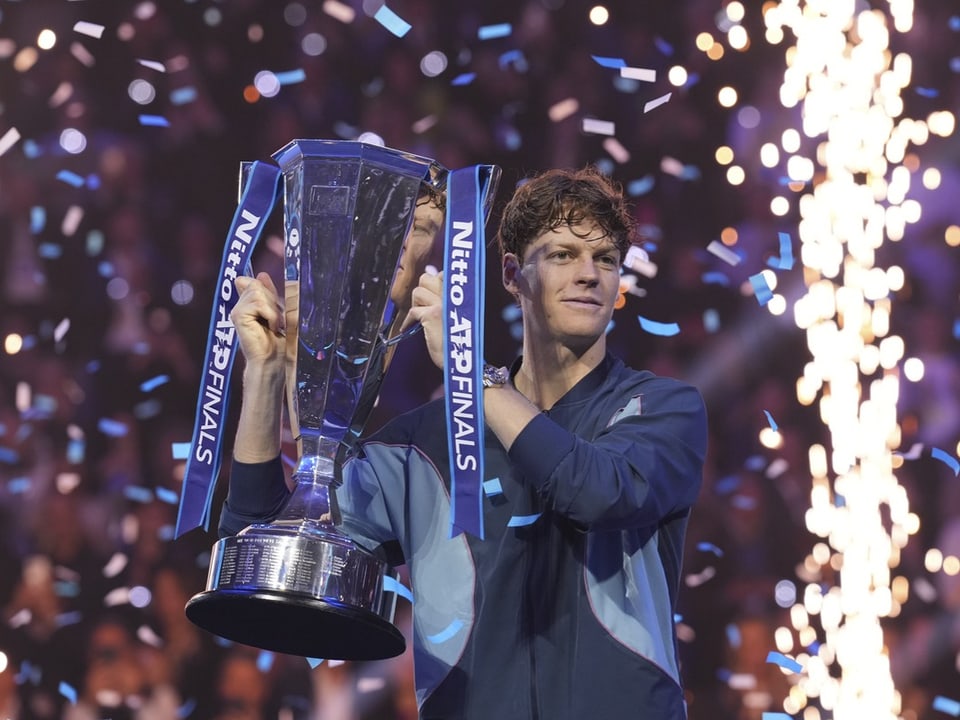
{"points": [[587, 271]]}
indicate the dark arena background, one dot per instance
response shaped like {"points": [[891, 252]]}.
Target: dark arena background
{"points": [[794, 170]]}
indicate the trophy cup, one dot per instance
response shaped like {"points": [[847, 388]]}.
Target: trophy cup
{"points": [[297, 584]]}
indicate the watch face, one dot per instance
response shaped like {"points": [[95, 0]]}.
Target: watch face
{"points": [[493, 376]]}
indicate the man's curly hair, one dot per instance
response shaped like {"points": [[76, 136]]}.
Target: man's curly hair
{"points": [[565, 197]]}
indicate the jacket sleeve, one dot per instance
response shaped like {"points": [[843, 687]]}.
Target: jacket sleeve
{"points": [[257, 493], [640, 469]]}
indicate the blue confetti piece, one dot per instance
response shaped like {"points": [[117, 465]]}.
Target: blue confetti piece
{"points": [[743, 502], [715, 278], [166, 533], [927, 92], [785, 261], [463, 79], [93, 182], [522, 520], [264, 661], [761, 289], [955, 64], [154, 121], [49, 251], [391, 21], [138, 494], [391, 584], [726, 485], [775, 716], [180, 451], [489, 32], [733, 635], [710, 547], [609, 62], [946, 459], [492, 487], [183, 95], [19, 485], [711, 320], [658, 328], [68, 691], [153, 383], [38, 219], [113, 428], [663, 46], [70, 178], [448, 632], [66, 588], [291, 77], [956, 328], [640, 186], [773, 423], [68, 618], [170, 497], [755, 463], [954, 23], [314, 662], [515, 58], [946, 705], [784, 662], [186, 710]]}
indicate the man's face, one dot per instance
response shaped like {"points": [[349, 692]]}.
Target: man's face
{"points": [[567, 285], [417, 247]]}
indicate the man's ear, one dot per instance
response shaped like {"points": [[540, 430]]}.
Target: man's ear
{"points": [[511, 274]]}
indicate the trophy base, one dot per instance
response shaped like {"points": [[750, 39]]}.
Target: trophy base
{"points": [[315, 594], [296, 625]]}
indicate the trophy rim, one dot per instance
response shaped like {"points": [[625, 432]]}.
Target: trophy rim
{"points": [[295, 625]]}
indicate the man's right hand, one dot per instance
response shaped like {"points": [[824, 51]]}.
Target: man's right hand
{"points": [[259, 320]]}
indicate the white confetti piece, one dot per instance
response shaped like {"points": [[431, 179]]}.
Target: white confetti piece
{"points": [[82, 54], [656, 102], [89, 29], [616, 150], [339, 11], [598, 127], [424, 124], [563, 109], [9, 139], [642, 74], [152, 64], [723, 252]]}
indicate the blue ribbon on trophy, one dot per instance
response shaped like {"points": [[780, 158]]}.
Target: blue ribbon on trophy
{"points": [[256, 203], [463, 302]]}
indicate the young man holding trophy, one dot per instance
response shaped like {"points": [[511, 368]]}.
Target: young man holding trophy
{"points": [[565, 608]]}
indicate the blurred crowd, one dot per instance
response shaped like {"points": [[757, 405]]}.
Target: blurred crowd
{"points": [[106, 284]]}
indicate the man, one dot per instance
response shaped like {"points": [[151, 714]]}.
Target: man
{"points": [[566, 610]]}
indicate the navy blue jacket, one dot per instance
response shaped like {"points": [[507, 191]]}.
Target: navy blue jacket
{"points": [[566, 610]]}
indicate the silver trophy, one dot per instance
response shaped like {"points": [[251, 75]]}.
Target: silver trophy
{"points": [[298, 584]]}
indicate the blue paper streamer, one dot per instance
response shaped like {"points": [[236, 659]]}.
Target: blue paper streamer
{"points": [[492, 487], [70, 178], [448, 632], [946, 705], [488, 32], [391, 584], [391, 21], [946, 459], [68, 691], [523, 520], [658, 328], [609, 62], [773, 423], [154, 382], [463, 79], [784, 662], [761, 289], [785, 261], [154, 121]]}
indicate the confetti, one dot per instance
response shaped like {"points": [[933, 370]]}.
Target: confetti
{"points": [[154, 121], [785, 261], [424, 124], [448, 632], [711, 320], [167, 495], [89, 29], [616, 150], [154, 382], [153, 65], [314, 662], [391, 21], [264, 661], [773, 423], [946, 705], [138, 494], [72, 219], [391, 584], [609, 62], [82, 55], [38, 219], [180, 450], [927, 92], [489, 32], [291, 77], [183, 95], [68, 691], [658, 328], [641, 74], [463, 79], [492, 487], [946, 459], [563, 109], [640, 186], [70, 178], [598, 127], [339, 11], [783, 661], [733, 635], [9, 139], [761, 289], [522, 520], [113, 428], [775, 716], [709, 547], [697, 579], [656, 102]]}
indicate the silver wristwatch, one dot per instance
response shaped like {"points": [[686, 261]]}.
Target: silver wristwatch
{"points": [[495, 376]]}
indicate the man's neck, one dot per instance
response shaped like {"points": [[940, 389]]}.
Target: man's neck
{"points": [[547, 373]]}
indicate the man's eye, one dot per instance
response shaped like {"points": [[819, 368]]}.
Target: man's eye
{"points": [[608, 260]]}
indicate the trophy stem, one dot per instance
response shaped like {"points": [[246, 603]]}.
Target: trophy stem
{"points": [[312, 507]]}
